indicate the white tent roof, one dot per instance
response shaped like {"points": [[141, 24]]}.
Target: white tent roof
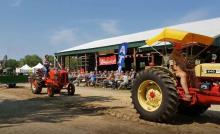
{"points": [[25, 67], [38, 66], [159, 43], [210, 27]]}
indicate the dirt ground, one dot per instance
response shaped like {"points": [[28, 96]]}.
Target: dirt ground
{"points": [[91, 110]]}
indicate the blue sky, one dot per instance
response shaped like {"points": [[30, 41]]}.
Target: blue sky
{"points": [[48, 26]]}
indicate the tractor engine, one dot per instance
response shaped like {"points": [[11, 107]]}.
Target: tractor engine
{"points": [[57, 78], [209, 76]]}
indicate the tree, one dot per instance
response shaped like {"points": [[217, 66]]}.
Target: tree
{"points": [[73, 62], [30, 60], [51, 59], [12, 63]]}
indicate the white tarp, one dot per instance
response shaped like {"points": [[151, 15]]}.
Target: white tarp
{"points": [[25, 69], [38, 66], [157, 44]]}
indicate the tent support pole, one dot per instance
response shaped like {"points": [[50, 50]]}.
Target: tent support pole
{"points": [[69, 61], [77, 61], [85, 62], [61, 60], [54, 61], [96, 63], [134, 58]]}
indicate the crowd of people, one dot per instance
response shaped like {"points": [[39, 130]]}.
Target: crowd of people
{"points": [[105, 79]]}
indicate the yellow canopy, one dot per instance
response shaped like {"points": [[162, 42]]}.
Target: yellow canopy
{"points": [[178, 36]]}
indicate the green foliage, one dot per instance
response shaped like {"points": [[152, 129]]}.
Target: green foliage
{"points": [[73, 62], [51, 59], [30, 60], [12, 63]]}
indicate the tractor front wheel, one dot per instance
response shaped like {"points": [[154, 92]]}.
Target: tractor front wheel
{"points": [[50, 91], [154, 95], [71, 89]]}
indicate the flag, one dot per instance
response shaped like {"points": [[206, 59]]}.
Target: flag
{"points": [[122, 51]]}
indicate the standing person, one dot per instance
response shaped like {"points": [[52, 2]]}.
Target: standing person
{"points": [[92, 79]]}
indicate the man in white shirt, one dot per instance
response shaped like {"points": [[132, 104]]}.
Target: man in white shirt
{"points": [[125, 80]]}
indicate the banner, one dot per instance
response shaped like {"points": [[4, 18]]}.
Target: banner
{"points": [[110, 60], [122, 51]]}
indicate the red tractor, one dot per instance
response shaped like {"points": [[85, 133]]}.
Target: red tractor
{"points": [[55, 81], [157, 93]]}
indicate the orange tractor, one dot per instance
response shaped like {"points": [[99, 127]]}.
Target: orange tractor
{"points": [[55, 81], [157, 93]]}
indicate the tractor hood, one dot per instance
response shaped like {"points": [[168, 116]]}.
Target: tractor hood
{"points": [[180, 37]]}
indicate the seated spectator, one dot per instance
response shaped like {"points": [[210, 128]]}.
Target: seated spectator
{"points": [[109, 80], [125, 80], [79, 78], [104, 74], [117, 76], [70, 76], [99, 74], [74, 75]]}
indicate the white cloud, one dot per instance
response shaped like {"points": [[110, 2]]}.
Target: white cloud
{"points": [[77, 36], [110, 27], [64, 36], [16, 3], [195, 15]]}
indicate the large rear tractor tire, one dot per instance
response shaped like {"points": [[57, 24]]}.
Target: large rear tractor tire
{"points": [[71, 89], [194, 110], [36, 84], [154, 95]]}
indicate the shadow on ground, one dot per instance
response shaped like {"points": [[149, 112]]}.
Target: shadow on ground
{"points": [[45, 109], [209, 116]]}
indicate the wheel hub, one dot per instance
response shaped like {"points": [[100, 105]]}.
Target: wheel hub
{"points": [[149, 95], [152, 94]]}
